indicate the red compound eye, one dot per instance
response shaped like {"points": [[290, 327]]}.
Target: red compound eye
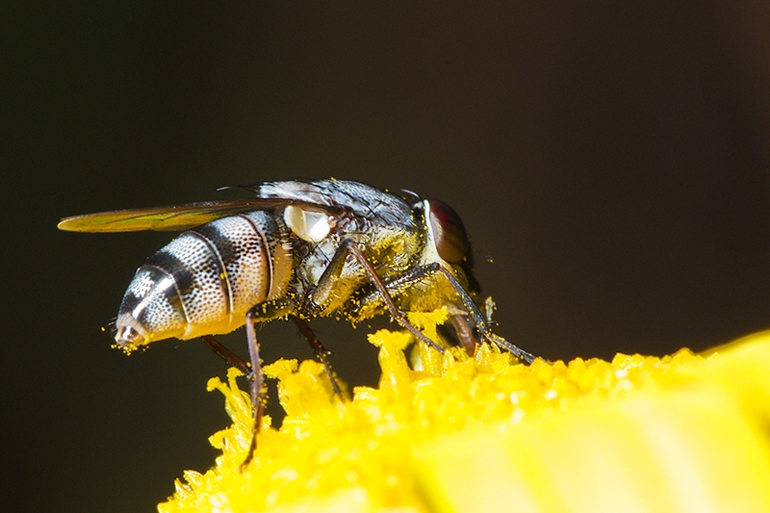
{"points": [[449, 233]]}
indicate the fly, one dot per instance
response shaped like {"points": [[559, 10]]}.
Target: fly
{"points": [[296, 250]]}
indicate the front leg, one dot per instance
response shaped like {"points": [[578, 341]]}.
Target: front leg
{"points": [[330, 287], [418, 274], [320, 352]]}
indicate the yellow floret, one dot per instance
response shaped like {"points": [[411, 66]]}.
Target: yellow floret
{"points": [[471, 434]]}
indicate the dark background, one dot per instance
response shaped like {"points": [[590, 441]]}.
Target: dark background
{"points": [[611, 159]]}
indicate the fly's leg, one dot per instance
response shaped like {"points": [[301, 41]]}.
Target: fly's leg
{"points": [[256, 381], [332, 273], [265, 311], [232, 359], [320, 352], [257, 388], [474, 312], [287, 307]]}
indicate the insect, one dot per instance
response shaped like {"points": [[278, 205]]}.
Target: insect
{"points": [[296, 249]]}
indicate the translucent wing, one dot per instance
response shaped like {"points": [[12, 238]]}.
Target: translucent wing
{"points": [[180, 217]]}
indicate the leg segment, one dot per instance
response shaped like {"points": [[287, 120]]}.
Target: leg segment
{"points": [[474, 312], [257, 389], [320, 351], [232, 359]]}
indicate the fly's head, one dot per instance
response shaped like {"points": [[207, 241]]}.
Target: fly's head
{"points": [[447, 240]]}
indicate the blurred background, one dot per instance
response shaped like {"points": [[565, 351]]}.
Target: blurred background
{"points": [[610, 163]]}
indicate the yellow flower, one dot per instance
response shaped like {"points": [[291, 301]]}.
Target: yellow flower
{"points": [[451, 433]]}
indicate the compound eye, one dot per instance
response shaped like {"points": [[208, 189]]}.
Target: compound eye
{"points": [[448, 232]]}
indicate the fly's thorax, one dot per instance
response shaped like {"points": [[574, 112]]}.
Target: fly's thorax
{"points": [[394, 250], [206, 279]]}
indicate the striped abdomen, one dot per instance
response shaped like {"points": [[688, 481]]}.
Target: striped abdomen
{"points": [[205, 281]]}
